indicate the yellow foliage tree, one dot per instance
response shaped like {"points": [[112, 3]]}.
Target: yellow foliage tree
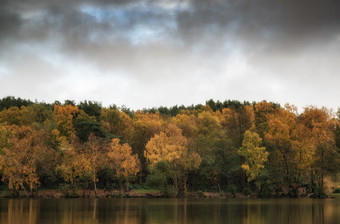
{"points": [[187, 122], [254, 155], [64, 116], [74, 166], [16, 116], [171, 146]]}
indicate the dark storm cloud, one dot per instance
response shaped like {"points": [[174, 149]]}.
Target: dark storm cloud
{"points": [[209, 24], [280, 20], [281, 23], [152, 42], [10, 24]]}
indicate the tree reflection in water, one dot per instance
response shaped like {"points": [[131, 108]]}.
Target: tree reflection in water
{"points": [[188, 211]]}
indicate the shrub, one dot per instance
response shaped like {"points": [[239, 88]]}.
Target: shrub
{"points": [[336, 190], [156, 180], [246, 191], [171, 191], [232, 189]]}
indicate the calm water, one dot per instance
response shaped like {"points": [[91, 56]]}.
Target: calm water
{"points": [[189, 211]]}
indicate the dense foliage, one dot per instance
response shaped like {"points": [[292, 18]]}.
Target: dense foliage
{"points": [[230, 146]]}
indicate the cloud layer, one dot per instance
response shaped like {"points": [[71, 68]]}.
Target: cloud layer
{"points": [[165, 52]]}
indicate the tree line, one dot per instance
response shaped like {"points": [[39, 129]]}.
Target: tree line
{"points": [[234, 146]]}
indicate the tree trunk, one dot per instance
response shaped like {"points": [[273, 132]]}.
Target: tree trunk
{"points": [[287, 170], [95, 185], [25, 191], [182, 186], [321, 181], [121, 187]]}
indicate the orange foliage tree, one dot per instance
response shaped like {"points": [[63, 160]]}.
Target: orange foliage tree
{"points": [[123, 163], [19, 159], [95, 151], [320, 126], [282, 137]]}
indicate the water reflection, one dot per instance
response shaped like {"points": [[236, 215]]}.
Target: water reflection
{"points": [[187, 211]]}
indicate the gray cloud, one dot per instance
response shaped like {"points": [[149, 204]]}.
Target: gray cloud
{"points": [[210, 49]]}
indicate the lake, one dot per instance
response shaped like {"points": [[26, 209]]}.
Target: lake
{"points": [[188, 211]]}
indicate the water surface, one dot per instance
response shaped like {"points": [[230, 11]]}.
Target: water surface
{"points": [[188, 211]]}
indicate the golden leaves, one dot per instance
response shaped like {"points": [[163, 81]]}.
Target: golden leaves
{"points": [[254, 155], [19, 157], [64, 116], [168, 145], [121, 160], [171, 146], [74, 166]]}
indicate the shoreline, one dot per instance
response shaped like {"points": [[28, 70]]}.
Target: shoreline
{"points": [[101, 193]]}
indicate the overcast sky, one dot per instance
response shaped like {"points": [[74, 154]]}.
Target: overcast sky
{"points": [[150, 53]]}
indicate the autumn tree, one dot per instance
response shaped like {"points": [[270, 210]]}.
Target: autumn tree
{"points": [[261, 112], [5, 136], [95, 151], [195, 147], [187, 122], [209, 132], [116, 123], [122, 161], [144, 126], [19, 159], [74, 166], [16, 116], [320, 126], [64, 116], [337, 130], [171, 146], [237, 122], [282, 137], [254, 155]]}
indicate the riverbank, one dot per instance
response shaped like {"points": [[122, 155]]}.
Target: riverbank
{"points": [[137, 193]]}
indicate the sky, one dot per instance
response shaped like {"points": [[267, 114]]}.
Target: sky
{"points": [[150, 53]]}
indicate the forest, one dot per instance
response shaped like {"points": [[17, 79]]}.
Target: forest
{"points": [[259, 148]]}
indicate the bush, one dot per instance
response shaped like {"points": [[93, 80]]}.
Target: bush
{"points": [[319, 195], [266, 191], [336, 190], [246, 191], [171, 191], [135, 187], [157, 177], [293, 193], [280, 195], [68, 191], [156, 180], [232, 189]]}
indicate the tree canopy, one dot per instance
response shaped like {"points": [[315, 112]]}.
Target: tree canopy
{"points": [[221, 146]]}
